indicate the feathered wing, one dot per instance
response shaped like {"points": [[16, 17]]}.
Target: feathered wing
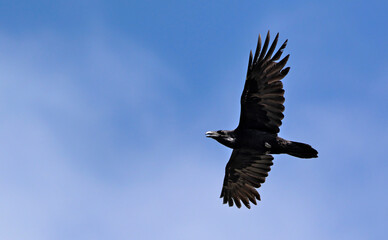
{"points": [[262, 98], [245, 171]]}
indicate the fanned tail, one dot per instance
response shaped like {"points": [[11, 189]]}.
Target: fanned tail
{"points": [[301, 150]]}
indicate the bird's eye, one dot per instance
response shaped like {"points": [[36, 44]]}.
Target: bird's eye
{"points": [[220, 131]]}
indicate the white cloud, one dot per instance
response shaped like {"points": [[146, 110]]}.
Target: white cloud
{"points": [[50, 119]]}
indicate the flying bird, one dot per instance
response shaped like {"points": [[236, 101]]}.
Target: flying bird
{"points": [[256, 137]]}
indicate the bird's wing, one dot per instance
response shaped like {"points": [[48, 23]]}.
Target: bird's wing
{"points": [[262, 98], [245, 171]]}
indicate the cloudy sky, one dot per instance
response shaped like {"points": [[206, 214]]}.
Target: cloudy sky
{"points": [[104, 106]]}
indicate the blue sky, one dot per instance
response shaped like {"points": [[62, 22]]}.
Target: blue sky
{"points": [[104, 106]]}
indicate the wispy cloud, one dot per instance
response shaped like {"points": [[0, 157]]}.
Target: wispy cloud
{"points": [[103, 138], [60, 113]]}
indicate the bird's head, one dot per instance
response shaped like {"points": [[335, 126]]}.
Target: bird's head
{"points": [[224, 137]]}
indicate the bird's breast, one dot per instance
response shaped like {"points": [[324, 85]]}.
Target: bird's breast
{"points": [[257, 140]]}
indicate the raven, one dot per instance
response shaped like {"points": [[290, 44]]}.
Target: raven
{"points": [[256, 136]]}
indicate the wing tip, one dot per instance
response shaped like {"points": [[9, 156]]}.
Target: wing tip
{"points": [[285, 71], [258, 48]]}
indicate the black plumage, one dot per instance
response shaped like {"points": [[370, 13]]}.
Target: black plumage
{"points": [[255, 138]]}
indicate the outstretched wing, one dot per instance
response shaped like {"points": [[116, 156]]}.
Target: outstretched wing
{"points": [[245, 171], [262, 98]]}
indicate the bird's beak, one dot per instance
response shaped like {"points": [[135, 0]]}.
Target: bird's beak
{"points": [[211, 134]]}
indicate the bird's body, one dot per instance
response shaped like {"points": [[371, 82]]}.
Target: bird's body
{"points": [[256, 136], [248, 139], [256, 140], [259, 141]]}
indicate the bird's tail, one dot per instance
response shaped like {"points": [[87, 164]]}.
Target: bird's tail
{"points": [[300, 150]]}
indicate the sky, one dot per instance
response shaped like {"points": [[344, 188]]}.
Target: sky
{"points": [[104, 107]]}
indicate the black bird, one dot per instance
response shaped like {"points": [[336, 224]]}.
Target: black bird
{"points": [[256, 137]]}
